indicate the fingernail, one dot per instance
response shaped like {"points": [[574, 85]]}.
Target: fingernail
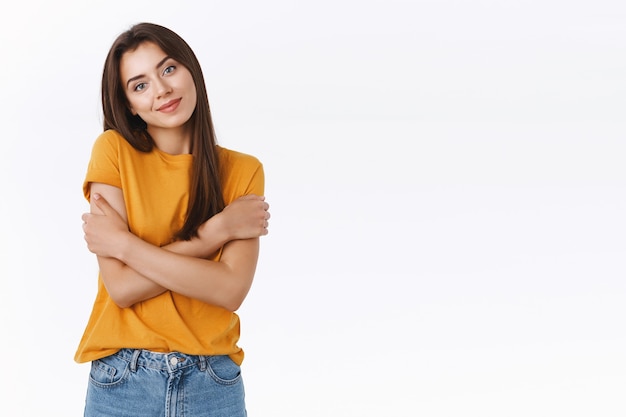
{"points": [[96, 196]]}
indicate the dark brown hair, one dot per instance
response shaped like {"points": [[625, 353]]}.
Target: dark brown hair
{"points": [[205, 199]]}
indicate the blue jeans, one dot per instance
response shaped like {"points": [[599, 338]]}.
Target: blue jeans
{"points": [[138, 383]]}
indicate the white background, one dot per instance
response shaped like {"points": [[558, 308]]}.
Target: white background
{"points": [[446, 180]]}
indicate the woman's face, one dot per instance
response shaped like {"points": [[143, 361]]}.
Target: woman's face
{"points": [[159, 89]]}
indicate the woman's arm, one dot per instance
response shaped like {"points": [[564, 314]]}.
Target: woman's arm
{"points": [[243, 219], [125, 286], [224, 283]]}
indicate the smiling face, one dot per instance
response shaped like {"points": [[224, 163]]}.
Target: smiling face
{"points": [[159, 89]]}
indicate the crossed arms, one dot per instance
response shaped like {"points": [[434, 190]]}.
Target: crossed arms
{"points": [[134, 270]]}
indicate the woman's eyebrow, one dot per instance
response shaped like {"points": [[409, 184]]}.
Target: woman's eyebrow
{"points": [[136, 77]]}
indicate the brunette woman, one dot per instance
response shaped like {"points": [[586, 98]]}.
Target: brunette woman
{"points": [[175, 222]]}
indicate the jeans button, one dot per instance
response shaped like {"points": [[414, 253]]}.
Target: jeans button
{"points": [[173, 360]]}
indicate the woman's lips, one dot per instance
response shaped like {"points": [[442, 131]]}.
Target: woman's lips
{"points": [[170, 106]]}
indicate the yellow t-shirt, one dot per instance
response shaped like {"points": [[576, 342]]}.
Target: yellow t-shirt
{"points": [[156, 192]]}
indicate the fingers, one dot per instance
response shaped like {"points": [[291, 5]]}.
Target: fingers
{"points": [[266, 214], [266, 224], [102, 203], [248, 216], [84, 218], [265, 205]]}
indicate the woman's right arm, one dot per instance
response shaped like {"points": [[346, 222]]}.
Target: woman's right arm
{"points": [[239, 220]]}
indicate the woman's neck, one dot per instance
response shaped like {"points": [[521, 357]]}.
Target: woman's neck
{"points": [[172, 141]]}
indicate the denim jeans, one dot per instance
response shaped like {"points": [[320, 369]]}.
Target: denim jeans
{"points": [[138, 383]]}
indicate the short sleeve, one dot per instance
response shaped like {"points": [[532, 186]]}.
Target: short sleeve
{"points": [[257, 181], [242, 175], [104, 166]]}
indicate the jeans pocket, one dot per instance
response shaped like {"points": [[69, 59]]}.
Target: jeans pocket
{"points": [[108, 372], [223, 370]]}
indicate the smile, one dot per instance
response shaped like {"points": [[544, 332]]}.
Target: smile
{"points": [[170, 106]]}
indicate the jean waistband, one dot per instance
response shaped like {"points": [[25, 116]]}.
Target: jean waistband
{"points": [[170, 362]]}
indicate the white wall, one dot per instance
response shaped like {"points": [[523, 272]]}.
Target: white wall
{"points": [[447, 186]]}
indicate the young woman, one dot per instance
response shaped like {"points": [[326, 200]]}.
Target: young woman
{"points": [[175, 222]]}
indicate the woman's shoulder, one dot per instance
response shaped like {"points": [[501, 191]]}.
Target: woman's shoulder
{"points": [[235, 159], [112, 137], [112, 142], [109, 139]]}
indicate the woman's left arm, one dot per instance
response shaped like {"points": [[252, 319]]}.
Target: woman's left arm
{"points": [[224, 283]]}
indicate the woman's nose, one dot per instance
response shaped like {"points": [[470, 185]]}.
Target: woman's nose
{"points": [[162, 88]]}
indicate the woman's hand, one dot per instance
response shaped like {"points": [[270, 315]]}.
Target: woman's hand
{"points": [[104, 233], [245, 218]]}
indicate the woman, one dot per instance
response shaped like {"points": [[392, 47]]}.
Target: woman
{"points": [[175, 222]]}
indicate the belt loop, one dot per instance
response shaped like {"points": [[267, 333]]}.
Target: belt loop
{"points": [[202, 363], [134, 359]]}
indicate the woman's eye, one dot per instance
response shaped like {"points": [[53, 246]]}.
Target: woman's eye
{"points": [[140, 86], [169, 69]]}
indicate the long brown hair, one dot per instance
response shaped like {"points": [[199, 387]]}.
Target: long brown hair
{"points": [[205, 199]]}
